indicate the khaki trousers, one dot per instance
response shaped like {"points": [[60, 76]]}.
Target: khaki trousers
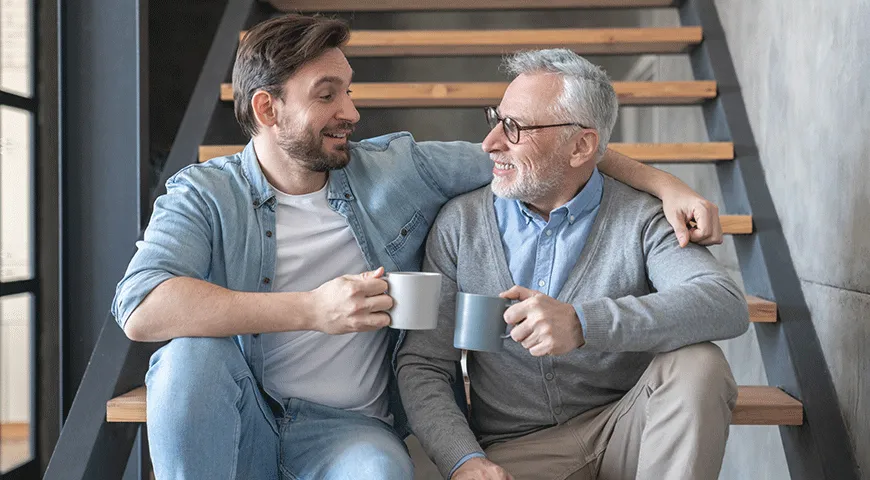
{"points": [[672, 425]]}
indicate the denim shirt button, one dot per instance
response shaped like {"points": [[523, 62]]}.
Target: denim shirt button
{"points": [[267, 280], [347, 196], [404, 232], [549, 376], [269, 233], [256, 203], [557, 411]]}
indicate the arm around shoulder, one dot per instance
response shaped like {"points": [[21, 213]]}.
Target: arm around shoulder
{"points": [[453, 168], [680, 203], [693, 300]]}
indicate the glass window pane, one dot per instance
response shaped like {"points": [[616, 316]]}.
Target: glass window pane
{"points": [[15, 47], [16, 204], [15, 380]]}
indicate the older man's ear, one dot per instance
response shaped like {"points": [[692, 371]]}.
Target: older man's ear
{"points": [[585, 148]]}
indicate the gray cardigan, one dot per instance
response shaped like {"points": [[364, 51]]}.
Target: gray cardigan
{"points": [[640, 294]]}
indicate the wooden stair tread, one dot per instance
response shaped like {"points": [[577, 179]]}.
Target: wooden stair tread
{"points": [[756, 405], [585, 41], [736, 224], [442, 5], [764, 405], [675, 152], [481, 94], [761, 310], [129, 407], [642, 152]]}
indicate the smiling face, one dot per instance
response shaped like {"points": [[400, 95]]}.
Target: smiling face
{"points": [[534, 169], [316, 115]]}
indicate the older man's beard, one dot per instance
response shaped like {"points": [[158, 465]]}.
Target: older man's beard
{"points": [[308, 148], [528, 186]]}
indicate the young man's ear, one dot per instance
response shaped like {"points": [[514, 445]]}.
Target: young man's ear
{"points": [[263, 106], [585, 147]]}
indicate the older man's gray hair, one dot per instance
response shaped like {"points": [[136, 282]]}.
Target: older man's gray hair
{"points": [[587, 95]]}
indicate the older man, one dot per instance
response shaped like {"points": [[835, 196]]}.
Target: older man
{"points": [[608, 372]]}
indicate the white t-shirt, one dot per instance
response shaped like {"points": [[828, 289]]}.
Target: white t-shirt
{"points": [[314, 245]]}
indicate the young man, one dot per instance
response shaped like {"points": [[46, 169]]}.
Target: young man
{"points": [[263, 269], [607, 373]]}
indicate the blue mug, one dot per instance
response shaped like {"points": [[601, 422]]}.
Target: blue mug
{"points": [[480, 324]]}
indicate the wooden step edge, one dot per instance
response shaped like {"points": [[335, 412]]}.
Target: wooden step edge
{"points": [[676, 152], [736, 224], [585, 41], [756, 405], [207, 152], [129, 407], [642, 152], [480, 94], [761, 310], [452, 5], [765, 405]]}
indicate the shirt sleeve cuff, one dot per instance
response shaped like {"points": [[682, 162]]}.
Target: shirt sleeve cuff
{"points": [[465, 459]]}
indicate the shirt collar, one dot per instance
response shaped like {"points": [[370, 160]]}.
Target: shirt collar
{"points": [[584, 202], [338, 188], [261, 192]]}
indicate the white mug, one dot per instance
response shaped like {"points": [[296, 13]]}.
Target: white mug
{"points": [[416, 298]]}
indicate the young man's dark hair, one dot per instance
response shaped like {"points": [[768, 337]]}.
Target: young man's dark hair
{"points": [[272, 51]]}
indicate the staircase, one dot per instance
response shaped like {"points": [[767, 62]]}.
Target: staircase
{"points": [[802, 392]]}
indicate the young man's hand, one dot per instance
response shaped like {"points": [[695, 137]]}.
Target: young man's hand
{"points": [[542, 324], [480, 468], [351, 303], [684, 205]]}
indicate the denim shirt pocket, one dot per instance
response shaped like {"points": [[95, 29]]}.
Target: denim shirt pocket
{"points": [[406, 249]]}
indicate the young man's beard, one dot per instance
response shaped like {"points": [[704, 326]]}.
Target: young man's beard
{"points": [[308, 149]]}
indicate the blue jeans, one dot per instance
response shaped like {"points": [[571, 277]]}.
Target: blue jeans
{"points": [[207, 418]]}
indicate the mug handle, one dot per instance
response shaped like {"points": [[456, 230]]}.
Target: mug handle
{"points": [[507, 330]]}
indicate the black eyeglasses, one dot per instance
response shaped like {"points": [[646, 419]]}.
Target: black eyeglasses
{"points": [[512, 129]]}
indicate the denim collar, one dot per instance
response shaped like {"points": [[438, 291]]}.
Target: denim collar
{"points": [[338, 187], [261, 192]]}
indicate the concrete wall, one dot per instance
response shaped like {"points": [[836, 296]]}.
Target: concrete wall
{"points": [[805, 74]]}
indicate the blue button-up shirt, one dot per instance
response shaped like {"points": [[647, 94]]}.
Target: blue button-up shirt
{"points": [[217, 219], [541, 253]]}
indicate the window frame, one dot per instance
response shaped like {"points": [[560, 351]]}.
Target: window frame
{"points": [[33, 284]]}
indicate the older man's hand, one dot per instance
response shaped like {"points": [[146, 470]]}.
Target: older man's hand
{"points": [[480, 469], [683, 205], [542, 324]]}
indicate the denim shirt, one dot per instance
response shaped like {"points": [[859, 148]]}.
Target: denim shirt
{"points": [[217, 219]]}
